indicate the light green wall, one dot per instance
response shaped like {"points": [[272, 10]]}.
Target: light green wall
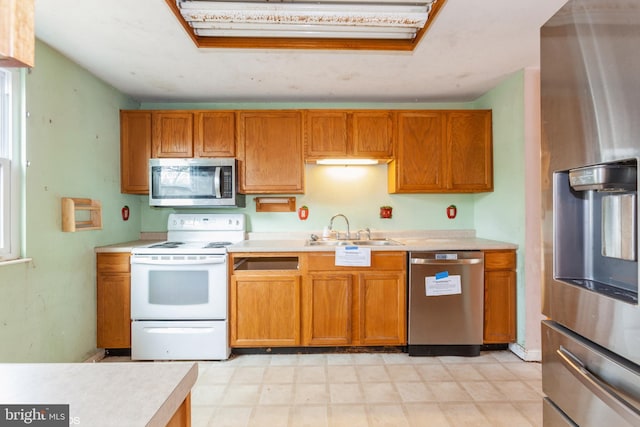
{"points": [[500, 215], [48, 306]]}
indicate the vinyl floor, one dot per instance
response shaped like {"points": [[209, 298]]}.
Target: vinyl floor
{"points": [[368, 389]]}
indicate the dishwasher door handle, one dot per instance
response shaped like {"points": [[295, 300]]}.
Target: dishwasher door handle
{"points": [[467, 261]]}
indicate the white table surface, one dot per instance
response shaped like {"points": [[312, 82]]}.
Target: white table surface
{"points": [[102, 394]]}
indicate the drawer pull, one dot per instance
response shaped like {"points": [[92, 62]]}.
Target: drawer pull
{"points": [[626, 409], [425, 261]]}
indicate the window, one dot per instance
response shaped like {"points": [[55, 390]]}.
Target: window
{"points": [[10, 136]]}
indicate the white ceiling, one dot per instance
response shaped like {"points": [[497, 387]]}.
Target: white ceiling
{"points": [[139, 47]]}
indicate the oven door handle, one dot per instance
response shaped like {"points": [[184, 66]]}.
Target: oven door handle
{"points": [[185, 330], [164, 261], [627, 409]]}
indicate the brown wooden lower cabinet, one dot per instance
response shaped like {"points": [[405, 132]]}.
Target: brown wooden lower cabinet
{"points": [[328, 301], [317, 303], [382, 308], [499, 297], [303, 299], [265, 310], [354, 308], [113, 301], [362, 306]]}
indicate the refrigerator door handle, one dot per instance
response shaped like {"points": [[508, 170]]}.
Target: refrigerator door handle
{"points": [[627, 409]]}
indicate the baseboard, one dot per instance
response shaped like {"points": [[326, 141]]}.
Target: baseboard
{"points": [[96, 357], [525, 354]]}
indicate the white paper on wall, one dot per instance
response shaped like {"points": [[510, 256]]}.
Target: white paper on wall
{"points": [[447, 285], [353, 256]]}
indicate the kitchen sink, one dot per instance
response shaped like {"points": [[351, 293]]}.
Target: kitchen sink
{"points": [[328, 242], [377, 242], [372, 242]]}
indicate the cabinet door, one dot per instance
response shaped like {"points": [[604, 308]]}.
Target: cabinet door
{"points": [[214, 134], [114, 311], [420, 157], [328, 309], [470, 153], [135, 151], [270, 152], [326, 134], [372, 134], [500, 307], [383, 314], [17, 38], [500, 297], [172, 134], [113, 301], [265, 310]]}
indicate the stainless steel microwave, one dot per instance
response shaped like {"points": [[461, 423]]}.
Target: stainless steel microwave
{"points": [[199, 182]]}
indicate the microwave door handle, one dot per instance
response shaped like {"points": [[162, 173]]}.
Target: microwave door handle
{"points": [[217, 182]]}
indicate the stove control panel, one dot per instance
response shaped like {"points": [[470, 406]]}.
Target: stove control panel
{"points": [[206, 222]]}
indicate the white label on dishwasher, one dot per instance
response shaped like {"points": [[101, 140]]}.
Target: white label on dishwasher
{"points": [[353, 256], [449, 285]]}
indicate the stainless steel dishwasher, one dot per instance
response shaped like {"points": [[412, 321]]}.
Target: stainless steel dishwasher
{"points": [[446, 303]]}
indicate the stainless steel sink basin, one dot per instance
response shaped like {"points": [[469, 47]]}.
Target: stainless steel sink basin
{"points": [[376, 242], [328, 242], [372, 242]]}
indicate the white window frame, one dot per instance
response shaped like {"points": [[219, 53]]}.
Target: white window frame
{"points": [[11, 135]]}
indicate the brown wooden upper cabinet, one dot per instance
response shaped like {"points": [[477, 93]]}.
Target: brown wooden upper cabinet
{"points": [[185, 134], [214, 134], [430, 151], [442, 152], [135, 151], [17, 36], [270, 156], [348, 134], [172, 134]]}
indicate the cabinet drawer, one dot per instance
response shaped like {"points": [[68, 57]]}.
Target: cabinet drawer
{"points": [[114, 262], [323, 261], [500, 260]]}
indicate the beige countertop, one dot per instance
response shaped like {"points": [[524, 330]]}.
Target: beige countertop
{"points": [[102, 394], [413, 240], [125, 246], [420, 240], [407, 245]]}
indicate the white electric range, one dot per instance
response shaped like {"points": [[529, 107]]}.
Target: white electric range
{"points": [[179, 289]]}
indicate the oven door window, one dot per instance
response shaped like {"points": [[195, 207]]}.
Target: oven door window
{"points": [[178, 287]]}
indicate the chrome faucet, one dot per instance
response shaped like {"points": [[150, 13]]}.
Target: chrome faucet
{"points": [[345, 220], [366, 230]]}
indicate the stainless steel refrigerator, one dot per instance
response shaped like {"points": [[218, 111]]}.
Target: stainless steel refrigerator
{"points": [[590, 97]]}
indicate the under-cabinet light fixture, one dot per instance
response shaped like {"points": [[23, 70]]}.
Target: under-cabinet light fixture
{"points": [[347, 162], [350, 19]]}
